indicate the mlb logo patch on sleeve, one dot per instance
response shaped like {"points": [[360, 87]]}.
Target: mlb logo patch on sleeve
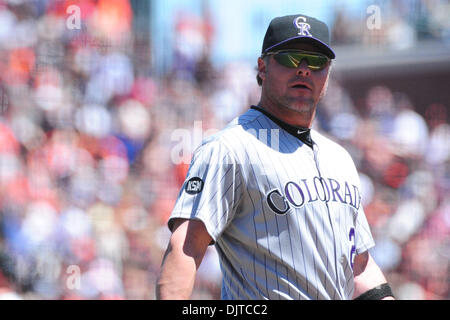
{"points": [[194, 185]]}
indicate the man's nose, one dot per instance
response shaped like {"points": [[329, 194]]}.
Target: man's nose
{"points": [[303, 69]]}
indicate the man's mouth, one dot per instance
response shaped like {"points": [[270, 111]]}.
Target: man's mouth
{"points": [[301, 85]]}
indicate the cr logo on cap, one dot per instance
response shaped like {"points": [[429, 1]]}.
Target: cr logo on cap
{"points": [[300, 23]]}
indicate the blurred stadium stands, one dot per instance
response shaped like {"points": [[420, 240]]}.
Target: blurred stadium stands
{"points": [[97, 124]]}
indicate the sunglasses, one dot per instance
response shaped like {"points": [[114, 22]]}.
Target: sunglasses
{"points": [[292, 59]]}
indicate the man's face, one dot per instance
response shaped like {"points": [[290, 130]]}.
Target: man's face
{"points": [[297, 89]]}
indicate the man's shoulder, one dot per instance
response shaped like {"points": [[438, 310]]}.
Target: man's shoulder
{"points": [[252, 118], [328, 144], [237, 129]]}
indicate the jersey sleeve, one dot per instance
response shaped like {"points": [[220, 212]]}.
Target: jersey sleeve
{"points": [[211, 191], [363, 236]]}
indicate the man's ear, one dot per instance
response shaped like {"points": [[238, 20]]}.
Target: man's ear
{"points": [[262, 68]]}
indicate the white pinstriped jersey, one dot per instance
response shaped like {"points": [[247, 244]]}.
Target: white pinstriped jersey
{"points": [[286, 219]]}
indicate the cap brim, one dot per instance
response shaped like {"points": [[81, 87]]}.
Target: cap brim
{"points": [[323, 47]]}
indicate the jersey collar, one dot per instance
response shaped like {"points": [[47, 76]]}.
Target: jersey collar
{"points": [[303, 134]]}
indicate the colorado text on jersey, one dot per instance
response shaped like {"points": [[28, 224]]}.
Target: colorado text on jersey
{"points": [[298, 193]]}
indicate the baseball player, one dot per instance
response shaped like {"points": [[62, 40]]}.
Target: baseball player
{"points": [[280, 201]]}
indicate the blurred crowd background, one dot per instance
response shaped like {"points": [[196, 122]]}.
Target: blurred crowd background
{"points": [[98, 123]]}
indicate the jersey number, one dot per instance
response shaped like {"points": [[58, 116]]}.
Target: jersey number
{"points": [[351, 238]]}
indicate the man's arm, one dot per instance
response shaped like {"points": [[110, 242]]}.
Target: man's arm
{"points": [[183, 256], [367, 275]]}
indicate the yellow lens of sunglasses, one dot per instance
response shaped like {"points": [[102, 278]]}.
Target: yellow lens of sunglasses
{"points": [[292, 59]]}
